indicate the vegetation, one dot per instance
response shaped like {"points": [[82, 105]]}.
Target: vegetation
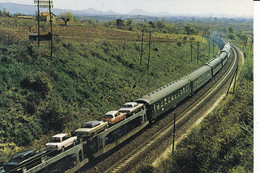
{"points": [[5, 13], [66, 17]]}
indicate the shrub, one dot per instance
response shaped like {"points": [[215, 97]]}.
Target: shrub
{"points": [[145, 169]]}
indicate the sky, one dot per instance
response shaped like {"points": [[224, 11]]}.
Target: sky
{"points": [[194, 7]]}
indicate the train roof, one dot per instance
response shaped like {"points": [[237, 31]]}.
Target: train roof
{"points": [[222, 55], [214, 61], [226, 48], [60, 135], [162, 92], [197, 73]]}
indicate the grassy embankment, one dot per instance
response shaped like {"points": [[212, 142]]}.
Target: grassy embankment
{"points": [[41, 96]]}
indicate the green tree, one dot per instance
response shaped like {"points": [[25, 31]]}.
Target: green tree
{"points": [[152, 24], [244, 37], [66, 17], [231, 36], [129, 22], [161, 24], [6, 13], [189, 29], [231, 30]]}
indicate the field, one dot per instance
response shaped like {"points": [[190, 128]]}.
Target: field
{"points": [[20, 29]]}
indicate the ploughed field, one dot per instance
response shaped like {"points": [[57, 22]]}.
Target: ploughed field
{"points": [[19, 29]]}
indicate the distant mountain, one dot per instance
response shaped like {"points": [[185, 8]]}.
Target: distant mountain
{"points": [[138, 12], [18, 8], [31, 10], [145, 13]]}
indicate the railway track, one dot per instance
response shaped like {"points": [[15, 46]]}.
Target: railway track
{"points": [[125, 163]]}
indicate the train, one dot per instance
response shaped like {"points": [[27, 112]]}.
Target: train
{"points": [[144, 112]]}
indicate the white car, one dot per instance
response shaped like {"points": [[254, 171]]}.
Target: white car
{"points": [[61, 141], [131, 107]]}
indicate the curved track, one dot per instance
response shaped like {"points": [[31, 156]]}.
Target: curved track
{"points": [[135, 154]]}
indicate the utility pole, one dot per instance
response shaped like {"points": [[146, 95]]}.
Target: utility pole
{"points": [[38, 37], [198, 48], [245, 43], [191, 51], [148, 65], [51, 25], [213, 47], [209, 47], [252, 41], [142, 45], [173, 136]]}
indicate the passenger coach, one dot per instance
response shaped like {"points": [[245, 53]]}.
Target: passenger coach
{"points": [[199, 77], [165, 98]]}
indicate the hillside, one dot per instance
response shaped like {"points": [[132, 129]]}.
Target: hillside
{"points": [[42, 96]]}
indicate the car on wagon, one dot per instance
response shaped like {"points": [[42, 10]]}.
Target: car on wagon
{"points": [[131, 108], [113, 117], [23, 160], [91, 128], [61, 141]]}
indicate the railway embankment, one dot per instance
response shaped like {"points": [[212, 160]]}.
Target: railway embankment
{"points": [[224, 140]]}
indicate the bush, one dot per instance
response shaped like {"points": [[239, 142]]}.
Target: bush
{"points": [[231, 36], [145, 169], [8, 37]]}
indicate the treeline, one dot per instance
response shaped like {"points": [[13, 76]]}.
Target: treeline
{"points": [[153, 26], [4, 13]]}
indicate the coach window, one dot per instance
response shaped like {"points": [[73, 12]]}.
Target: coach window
{"points": [[165, 101], [162, 104], [158, 106]]}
